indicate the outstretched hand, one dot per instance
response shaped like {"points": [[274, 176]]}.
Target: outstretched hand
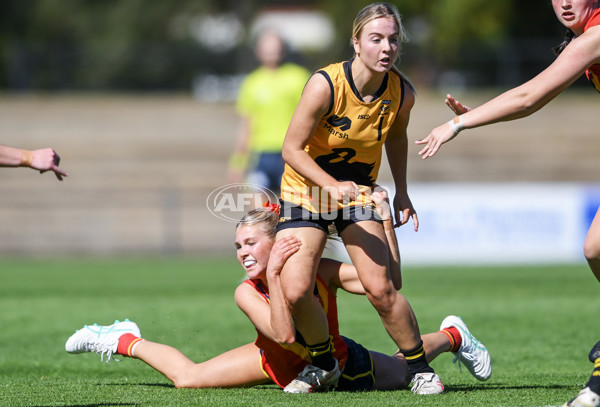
{"points": [[454, 105], [443, 133], [46, 159]]}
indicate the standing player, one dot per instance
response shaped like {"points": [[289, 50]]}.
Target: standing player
{"points": [[578, 54], [333, 150], [44, 159]]}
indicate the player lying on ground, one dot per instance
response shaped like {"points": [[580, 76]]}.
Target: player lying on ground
{"points": [[277, 355]]}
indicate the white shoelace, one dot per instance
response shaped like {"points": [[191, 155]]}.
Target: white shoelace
{"points": [[103, 349]]}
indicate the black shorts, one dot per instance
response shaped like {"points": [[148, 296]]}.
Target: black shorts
{"points": [[359, 372], [295, 216]]}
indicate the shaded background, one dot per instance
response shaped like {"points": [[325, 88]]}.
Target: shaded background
{"points": [[137, 98], [131, 45]]}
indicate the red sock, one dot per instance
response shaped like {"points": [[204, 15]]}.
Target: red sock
{"points": [[454, 337], [126, 343]]}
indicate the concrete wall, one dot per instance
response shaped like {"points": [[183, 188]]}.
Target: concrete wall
{"points": [[142, 167]]}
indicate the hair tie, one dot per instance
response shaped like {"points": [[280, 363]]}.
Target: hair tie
{"points": [[273, 207]]}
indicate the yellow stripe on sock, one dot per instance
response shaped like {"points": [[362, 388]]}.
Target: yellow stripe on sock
{"points": [[318, 352], [130, 347], [450, 337], [413, 357]]}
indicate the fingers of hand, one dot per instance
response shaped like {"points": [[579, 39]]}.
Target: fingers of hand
{"points": [[415, 221]]}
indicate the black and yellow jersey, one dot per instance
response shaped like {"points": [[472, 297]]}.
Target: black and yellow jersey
{"points": [[348, 140]]}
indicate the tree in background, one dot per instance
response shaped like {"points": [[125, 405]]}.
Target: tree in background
{"points": [[137, 45]]}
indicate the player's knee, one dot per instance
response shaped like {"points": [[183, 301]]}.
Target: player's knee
{"points": [[183, 380], [383, 298]]}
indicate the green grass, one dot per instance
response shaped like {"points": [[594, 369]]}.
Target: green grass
{"points": [[538, 323]]}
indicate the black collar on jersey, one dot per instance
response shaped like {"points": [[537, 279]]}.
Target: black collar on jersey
{"points": [[348, 72]]}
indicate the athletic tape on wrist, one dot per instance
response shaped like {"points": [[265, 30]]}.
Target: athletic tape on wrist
{"points": [[26, 158], [456, 124]]}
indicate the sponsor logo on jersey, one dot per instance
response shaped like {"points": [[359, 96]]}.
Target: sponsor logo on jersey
{"points": [[343, 123]]}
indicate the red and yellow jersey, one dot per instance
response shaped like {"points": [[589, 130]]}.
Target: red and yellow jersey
{"points": [[283, 362], [593, 73], [348, 140]]}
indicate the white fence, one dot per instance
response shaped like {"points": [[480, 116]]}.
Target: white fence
{"points": [[498, 223]]}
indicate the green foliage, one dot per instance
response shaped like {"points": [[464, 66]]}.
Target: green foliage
{"points": [[134, 44], [456, 22], [537, 321]]}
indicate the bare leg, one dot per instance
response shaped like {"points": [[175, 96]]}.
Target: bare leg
{"points": [[239, 367], [591, 247], [366, 244], [298, 281], [435, 344]]}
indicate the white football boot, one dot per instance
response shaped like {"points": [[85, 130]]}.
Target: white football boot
{"points": [[585, 398], [312, 380], [100, 339], [427, 383], [471, 353]]}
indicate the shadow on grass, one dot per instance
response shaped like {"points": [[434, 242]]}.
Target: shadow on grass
{"points": [[168, 385], [448, 389], [91, 405], [171, 386], [500, 386]]}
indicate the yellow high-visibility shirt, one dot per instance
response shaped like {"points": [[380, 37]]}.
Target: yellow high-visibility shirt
{"points": [[268, 98]]}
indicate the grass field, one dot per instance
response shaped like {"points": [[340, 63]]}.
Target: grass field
{"points": [[537, 321]]}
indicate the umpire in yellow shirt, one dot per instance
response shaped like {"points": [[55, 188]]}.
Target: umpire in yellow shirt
{"points": [[266, 102]]}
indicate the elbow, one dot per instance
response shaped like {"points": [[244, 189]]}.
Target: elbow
{"points": [[286, 154], [527, 103], [285, 338], [528, 106], [289, 340]]}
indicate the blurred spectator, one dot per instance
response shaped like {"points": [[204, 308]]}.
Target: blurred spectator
{"points": [[267, 100]]}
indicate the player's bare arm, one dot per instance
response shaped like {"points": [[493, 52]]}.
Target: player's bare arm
{"points": [[396, 148], [528, 98], [311, 108]]}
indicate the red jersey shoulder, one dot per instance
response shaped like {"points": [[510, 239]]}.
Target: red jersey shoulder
{"points": [[593, 73], [594, 21]]}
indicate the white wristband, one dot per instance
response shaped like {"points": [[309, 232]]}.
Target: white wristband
{"points": [[456, 124]]}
